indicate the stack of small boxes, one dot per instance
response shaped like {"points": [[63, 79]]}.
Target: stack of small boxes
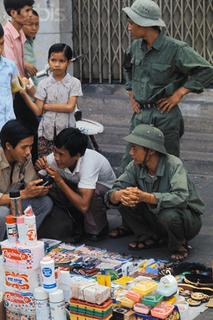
{"points": [[90, 301], [21, 264]]}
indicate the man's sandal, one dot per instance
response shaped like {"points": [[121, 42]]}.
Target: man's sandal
{"points": [[180, 254], [120, 232], [145, 244]]}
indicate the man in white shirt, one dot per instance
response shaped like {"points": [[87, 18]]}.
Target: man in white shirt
{"points": [[83, 176]]}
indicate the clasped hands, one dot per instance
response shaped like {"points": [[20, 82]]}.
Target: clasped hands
{"points": [[130, 196]]}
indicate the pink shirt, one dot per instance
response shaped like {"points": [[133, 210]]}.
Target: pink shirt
{"points": [[14, 46]]}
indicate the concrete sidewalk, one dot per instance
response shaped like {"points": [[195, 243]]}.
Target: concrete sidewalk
{"points": [[109, 105]]}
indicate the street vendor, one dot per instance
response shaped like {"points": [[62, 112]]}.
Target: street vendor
{"points": [[156, 198], [160, 71]]}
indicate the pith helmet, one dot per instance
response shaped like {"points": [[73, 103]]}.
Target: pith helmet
{"points": [[147, 136], [145, 13]]}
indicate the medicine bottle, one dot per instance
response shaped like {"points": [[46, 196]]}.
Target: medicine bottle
{"points": [[12, 233], [57, 305], [42, 304], [48, 274]]}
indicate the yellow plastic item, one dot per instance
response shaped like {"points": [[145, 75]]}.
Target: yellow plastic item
{"points": [[126, 302], [145, 287], [77, 317], [104, 280], [123, 280], [171, 300]]}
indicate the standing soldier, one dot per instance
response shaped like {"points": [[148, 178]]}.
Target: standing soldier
{"points": [[159, 71]]}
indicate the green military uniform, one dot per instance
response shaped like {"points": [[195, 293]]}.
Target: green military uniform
{"points": [[152, 74], [177, 212], [29, 56]]}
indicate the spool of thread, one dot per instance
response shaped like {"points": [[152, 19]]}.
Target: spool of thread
{"points": [[48, 274], [42, 304], [57, 305], [12, 233]]}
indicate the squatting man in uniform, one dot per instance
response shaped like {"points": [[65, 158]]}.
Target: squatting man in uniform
{"points": [[156, 198], [159, 71]]}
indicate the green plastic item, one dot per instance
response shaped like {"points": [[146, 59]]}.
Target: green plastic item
{"points": [[152, 299]]}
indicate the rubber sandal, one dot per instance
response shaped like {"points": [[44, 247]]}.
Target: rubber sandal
{"points": [[181, 254], [145, 244], [120, 232]]}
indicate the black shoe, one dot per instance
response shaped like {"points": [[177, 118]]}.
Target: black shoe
{"points": [[100, 236], [77, 239], [95, 237]]}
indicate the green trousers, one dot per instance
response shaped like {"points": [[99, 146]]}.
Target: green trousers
{"points": [[170, 123], [174, 224]]}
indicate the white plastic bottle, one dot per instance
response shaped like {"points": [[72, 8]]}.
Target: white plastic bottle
{"points": [[2, 276], [30, 222], [42, 304], [12, 233], [22, 230], [57, 305], [48, 274]]}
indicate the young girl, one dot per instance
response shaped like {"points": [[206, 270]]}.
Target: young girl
{"points": [[56, 98]]}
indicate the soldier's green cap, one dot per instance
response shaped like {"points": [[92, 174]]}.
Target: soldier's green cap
{"points": [[147, 136], [145, 13]]}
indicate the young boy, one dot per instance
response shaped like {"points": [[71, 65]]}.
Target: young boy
{"points": [[8, 72], [20, 12], [30, 30]]}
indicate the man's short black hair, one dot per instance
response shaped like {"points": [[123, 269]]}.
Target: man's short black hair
{"points": [[73, 140], [13, 132], [35, 13], [16, 5], [1, 31]]}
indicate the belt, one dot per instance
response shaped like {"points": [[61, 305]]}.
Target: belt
{"points": [[148, 105]]}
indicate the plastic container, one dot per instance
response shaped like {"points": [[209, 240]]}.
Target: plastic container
{"points": [[126, 302], [134, 296], [48, 274], [145, 287], [152, 299], [12, 233], [141, 308], [57, 305], [162, 311], [22, 230], [31, 232], [42, 304], [15, 203]]}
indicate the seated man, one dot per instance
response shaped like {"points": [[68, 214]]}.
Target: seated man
{"points": [[83, 176], [16, 170], [155, 196]]}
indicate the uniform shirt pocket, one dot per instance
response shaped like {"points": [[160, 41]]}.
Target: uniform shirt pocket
{"points": [[160, 73]]}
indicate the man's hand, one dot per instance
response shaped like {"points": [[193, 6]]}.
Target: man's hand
{"points": [[32, 190], [166, 104], [54, 174], [134, 104], [30, 68], [41, 163]]}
